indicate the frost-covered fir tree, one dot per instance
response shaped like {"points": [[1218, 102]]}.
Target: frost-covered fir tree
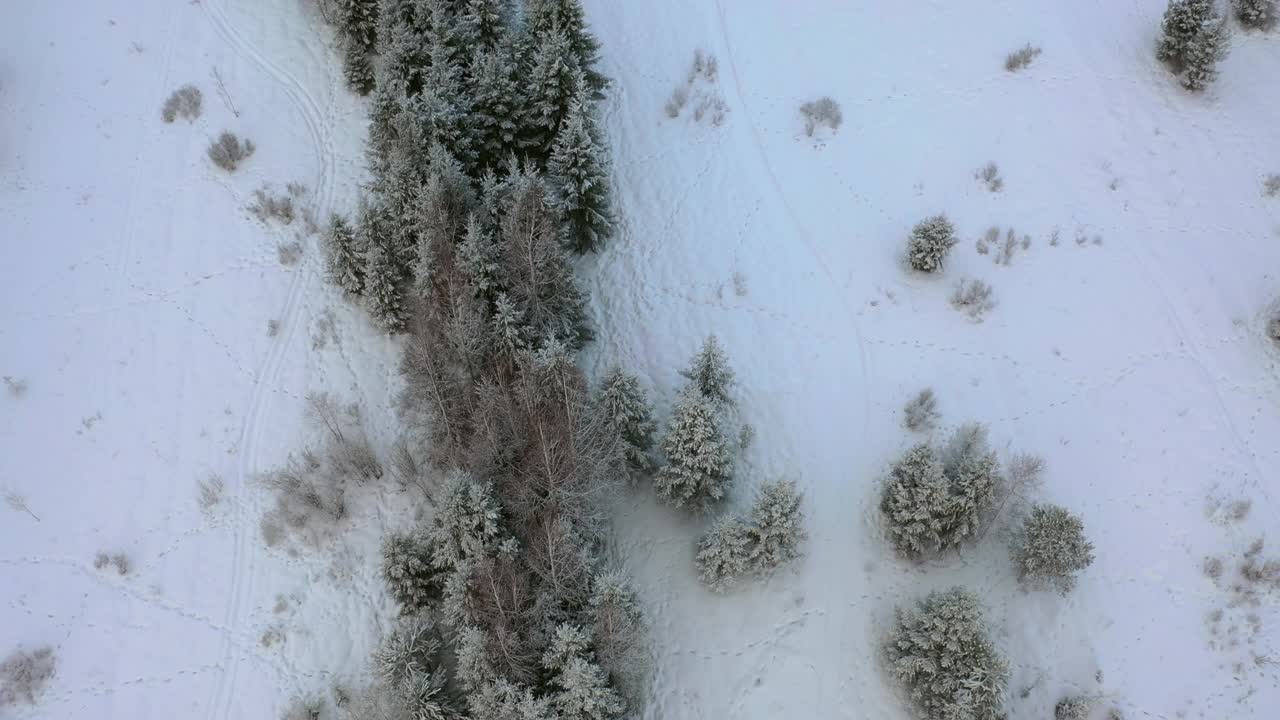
{"points": [[709, 372], [1183, 20], [724, 554], [1202, 54], [1256, 13], [1051, 549], [343, 259], [629, 414], [357, 21], [554, 81], [941, 653], [497, 104], [776, 526], [933, 501], [407, 567], [618, 629], [931, 239], [581, 687], [542, 16], [478, 258], [383, 289], [699, 469], [579, 182], [467, 524], [482, 24]]}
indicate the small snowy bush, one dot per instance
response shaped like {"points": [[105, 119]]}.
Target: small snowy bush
{"points": [[1051, 548], [1256, 13], [921, 413], [940, 652], [1021, 57], [1273, 326], [724, 554], [24, 674], [699, 469], [989, 175], [823, 112], [935, 501], [1193, 40], [185, 102], [1271, 185], [1075, 707], [228, 151], [973, 298], [269, 206], [628, 412], [930, 241]]}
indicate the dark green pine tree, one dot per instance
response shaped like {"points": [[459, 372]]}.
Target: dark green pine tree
{"points": [[541, 16], [579, 182], [496, 105], [343, 259], [554, 81], [358, 21], [483, 24], [383, 290]]}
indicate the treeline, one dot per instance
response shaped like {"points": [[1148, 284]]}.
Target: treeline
{"points": [[488, 173]]}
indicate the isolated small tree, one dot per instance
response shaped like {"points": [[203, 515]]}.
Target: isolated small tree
{"points": [[1258, 14], [383, 289], [579, 181], [407, 567], [776, 526], [941, 653], [698, 470], [1051, 548], [921, 413], [343, 258], [931, 239], [709, 372], [631, 417], [724, 554]]}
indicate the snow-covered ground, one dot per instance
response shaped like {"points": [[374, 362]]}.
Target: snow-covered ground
{"points": [[1134, 363], [136, 303], [140, 289]]}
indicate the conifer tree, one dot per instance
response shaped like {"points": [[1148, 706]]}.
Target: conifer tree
{"points": [[344, 260], [1256, 13], [582, 690], [383, 290], [409, 571], [709, 372], [724, 554], [579, 181], [631, 417], [544, 16], [1050, 549], [497, 104], [776, 525], [358, 21], [698, 470], [554, 81], [482, 24]]}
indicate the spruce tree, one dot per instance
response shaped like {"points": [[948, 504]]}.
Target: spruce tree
{"points": [[709, 372], [699, 469], [724, 554], [1050, 549], [482, 24], [579, 181], [1182, 21], [410, 574], [544, 16], [358, 20], [776, 526], [1256, 13], [383, 290], [497, 105], [581, 688], [554, 80], [344, 260], [631, 417]]}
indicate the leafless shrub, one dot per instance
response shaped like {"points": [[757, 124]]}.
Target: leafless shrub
{"points": [[24, 674], [921, 412], [228, 151], [1020, 58], [739, 284], [1271, 185], [289, 253], [990, 175], [1009, 248], [677, 101], [348, 449], [704, 65], [410, 471], [268, 206], [823, 112], [273, 328], [1055, 238], [711, 106], [19, 504], [186, 102], [972, 297], [17, 386], [303, 709], [1212, 567], [119, 560], [987, 241], [211, 488], [1073, 708], [1273, 327]]}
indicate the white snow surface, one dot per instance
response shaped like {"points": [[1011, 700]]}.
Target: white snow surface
{"points": [[140, 289], [1135, 366], [136, 308]]}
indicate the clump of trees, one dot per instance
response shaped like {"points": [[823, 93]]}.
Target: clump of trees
{"points": [[767, 538], [1193, 38], [488, 174]]}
